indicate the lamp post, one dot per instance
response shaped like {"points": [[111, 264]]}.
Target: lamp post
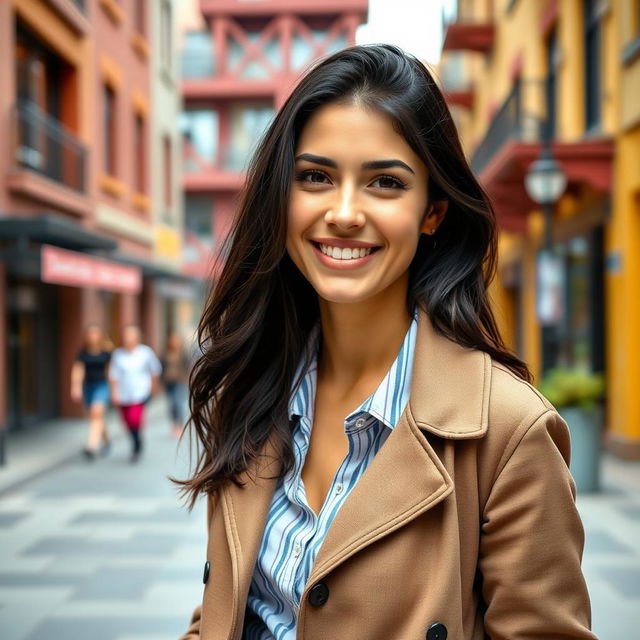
{"points": [[545, 182]]}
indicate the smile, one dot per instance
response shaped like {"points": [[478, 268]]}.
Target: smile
{"points": [[348, 257], [342, 253]]}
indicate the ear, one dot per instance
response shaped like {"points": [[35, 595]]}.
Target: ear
{"points": [[434, 216]]}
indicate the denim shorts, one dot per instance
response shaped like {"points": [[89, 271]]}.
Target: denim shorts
{"points": [[95, 393]]}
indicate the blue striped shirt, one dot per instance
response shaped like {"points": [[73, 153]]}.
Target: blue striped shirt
{"points": [[294, 533]]}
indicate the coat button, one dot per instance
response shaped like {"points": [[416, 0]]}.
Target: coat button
{"points": [[437, 631], [319, 594], [205, 575]]}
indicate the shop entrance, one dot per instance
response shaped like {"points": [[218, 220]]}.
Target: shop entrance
{"points": [[32, 352]]}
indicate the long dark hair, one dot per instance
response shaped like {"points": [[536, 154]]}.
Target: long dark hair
{"points": [[260, 312]]}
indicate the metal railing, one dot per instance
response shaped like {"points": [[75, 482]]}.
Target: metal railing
{"points": [[511, 122], [42, 144]]}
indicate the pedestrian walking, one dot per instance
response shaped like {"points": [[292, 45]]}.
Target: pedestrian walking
{"points": [[134, 375], [176, 364], [89, 385], [375, 460]]}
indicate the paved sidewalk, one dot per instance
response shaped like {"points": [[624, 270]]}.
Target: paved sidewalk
{"points": [[612, 550], [104, 551]]}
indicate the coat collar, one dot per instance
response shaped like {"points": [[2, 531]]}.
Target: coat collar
{"points": [[450, 385], [449, 398]]}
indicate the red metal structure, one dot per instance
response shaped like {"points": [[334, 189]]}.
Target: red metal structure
{"points": [[236, 74]]}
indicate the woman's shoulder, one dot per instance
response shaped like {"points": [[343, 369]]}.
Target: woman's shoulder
{"points": [[516, 408]]}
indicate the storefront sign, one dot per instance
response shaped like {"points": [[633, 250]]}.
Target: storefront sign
{"points": [[61, 266]]}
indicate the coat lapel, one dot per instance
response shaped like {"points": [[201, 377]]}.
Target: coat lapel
{"points": [[245, 511], [449, 398]]}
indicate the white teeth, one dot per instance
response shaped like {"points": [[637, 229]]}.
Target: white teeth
{"points": [[348, 253]]}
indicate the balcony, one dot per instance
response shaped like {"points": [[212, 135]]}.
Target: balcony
{"points": [[225, 172], [468, 32], [49, 163], [513, 142]]}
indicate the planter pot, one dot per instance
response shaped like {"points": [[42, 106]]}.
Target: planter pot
{"points": [[585, 427]]}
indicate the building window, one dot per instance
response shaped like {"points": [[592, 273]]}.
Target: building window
{"points": [[140, 16], [199, 129], [166, 35], [167, 162], [551, 88], [198, 217], [140, 154], [109, 129], [196, 59], [592, 64], [248, 123]]}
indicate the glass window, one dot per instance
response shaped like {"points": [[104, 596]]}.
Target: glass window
{"points": [[302, 48], [140, 16], [592, 63], [248, 124], [198, 216], [166, 35], [196, 60], [168, 171], [254, 69], [109, 129], [140, 154], [199, 129]]}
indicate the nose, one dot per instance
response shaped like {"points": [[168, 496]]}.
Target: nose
{"points": [[345, 213]]}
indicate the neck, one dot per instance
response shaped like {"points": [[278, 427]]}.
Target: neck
{"points": [[362, 339]]}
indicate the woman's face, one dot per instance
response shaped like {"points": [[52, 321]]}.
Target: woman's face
{"points": [[358, 204], [94, 338]]}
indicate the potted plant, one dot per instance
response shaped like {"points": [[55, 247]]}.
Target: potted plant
{"points": [[577, 394]]}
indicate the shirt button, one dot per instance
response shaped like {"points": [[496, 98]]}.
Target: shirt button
{"points": [[339, 489], [297, 550], [360, 423]]}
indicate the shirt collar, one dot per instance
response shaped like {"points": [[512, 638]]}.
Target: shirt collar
{"points": [[386, 403]]}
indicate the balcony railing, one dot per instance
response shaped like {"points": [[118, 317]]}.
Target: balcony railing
{"points": [[44, 146], [231, 159], [511, 122]]}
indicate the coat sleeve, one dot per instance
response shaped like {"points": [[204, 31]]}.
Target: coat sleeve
{"points": [[193, 632], [532, 540]]}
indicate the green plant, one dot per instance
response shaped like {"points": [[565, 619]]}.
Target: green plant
{"points": [[572, 387]]}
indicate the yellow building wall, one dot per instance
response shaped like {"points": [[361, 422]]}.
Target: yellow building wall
{"points": [[518, 35]]}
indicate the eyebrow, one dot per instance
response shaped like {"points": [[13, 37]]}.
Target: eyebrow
{"points": [[372, 164]]}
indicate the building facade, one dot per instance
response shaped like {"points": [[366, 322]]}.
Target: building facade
{"points": [[239, 63], [85, 232], [519, 73]]}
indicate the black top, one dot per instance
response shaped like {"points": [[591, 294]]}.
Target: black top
{"points": [[95, 365]]}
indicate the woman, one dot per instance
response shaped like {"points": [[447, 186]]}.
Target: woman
{"points": [[376, 463], [134, 375], [176, 364], [89, 385]]}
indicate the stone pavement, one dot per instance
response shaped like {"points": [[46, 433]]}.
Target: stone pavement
{"points": [[611, 560], [104, 550]]}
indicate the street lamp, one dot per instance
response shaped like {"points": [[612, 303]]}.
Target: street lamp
{"points": [[545, 182]]}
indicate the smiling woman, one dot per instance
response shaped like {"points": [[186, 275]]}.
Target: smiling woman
{"points": [[375, 461]]}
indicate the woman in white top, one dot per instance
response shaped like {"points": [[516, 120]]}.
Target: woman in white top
{"points": [[134, 375]]}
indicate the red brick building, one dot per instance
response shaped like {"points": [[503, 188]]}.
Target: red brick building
{"points": [[75, 114]]}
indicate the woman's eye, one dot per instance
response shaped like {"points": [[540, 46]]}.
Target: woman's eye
{"points": [[388, 182], [313, 177]]}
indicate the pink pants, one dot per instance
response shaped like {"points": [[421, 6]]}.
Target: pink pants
{"points": [[132, 415]]}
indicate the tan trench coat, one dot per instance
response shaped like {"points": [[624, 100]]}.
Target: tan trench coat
{"points": [[465, 522]]}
